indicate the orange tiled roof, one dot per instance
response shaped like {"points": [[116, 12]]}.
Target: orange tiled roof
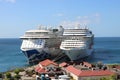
{"points": [[86, 73], [96, 73], [118, 67], [63, 64], [39, 70], [73, 70], [42, 70], [47, 62]]}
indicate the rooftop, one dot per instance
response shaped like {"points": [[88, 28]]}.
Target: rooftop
{"points": [[96, 73], [73, 70], [47, 62], [63, 64], [39, 70], [83, 73]]}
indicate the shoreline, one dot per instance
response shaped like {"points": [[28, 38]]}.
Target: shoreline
{"points": [[24, 67], [29, 66], [29, 71]]}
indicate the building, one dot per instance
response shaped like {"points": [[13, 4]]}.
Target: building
{"points": [[86, 64], [63, 64], [46, 66], [78, 74]]}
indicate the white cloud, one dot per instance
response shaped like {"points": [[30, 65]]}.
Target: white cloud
{"points": [[71, 24], [10, 1], [79, 17], [85, 17], [97, 17], [59, 14], [97, 14], [82, 20]]}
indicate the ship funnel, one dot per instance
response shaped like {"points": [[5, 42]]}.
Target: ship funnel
{"points": [[61, 30], [77, 26]]}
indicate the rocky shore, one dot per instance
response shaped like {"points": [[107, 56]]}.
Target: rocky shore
{"points": [[29, 73]]}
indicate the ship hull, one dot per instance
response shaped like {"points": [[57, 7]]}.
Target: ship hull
{"points": [[76, 54], [34, 55]]}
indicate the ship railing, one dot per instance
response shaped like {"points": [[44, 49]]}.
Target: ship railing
{"points": [[48, 36], [35, 37], [75, 34], [82, 47]]}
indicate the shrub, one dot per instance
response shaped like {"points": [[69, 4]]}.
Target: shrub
{"points": [[1, 75], [17, 70], [8, 75], [16, 77], [30, 73], [8, 79]]}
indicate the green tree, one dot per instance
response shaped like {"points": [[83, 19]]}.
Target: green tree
{"points": [[16, 71], [108, 78], [16, 77], [8, 75], [112, 77]]}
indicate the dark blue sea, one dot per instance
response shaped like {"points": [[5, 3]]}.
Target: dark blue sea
{"points": [[106, 50]]}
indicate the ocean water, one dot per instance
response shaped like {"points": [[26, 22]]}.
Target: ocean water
{"points": [[106, 50], [10, 54]]}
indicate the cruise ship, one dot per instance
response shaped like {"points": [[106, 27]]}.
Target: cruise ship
{"points": [[41, 43], [77, 43]]}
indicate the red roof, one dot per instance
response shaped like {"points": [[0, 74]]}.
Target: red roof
{"points": [[37, 68], [63, 64], [96, 73], [40, 70], [117, 67], [73, 70], [85, 73], [47, 62]]}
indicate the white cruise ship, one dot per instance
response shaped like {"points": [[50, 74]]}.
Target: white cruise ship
{"points": [[41, 43], [77, 43]]}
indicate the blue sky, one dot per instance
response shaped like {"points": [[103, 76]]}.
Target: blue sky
{"points": [[101, 16]]}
